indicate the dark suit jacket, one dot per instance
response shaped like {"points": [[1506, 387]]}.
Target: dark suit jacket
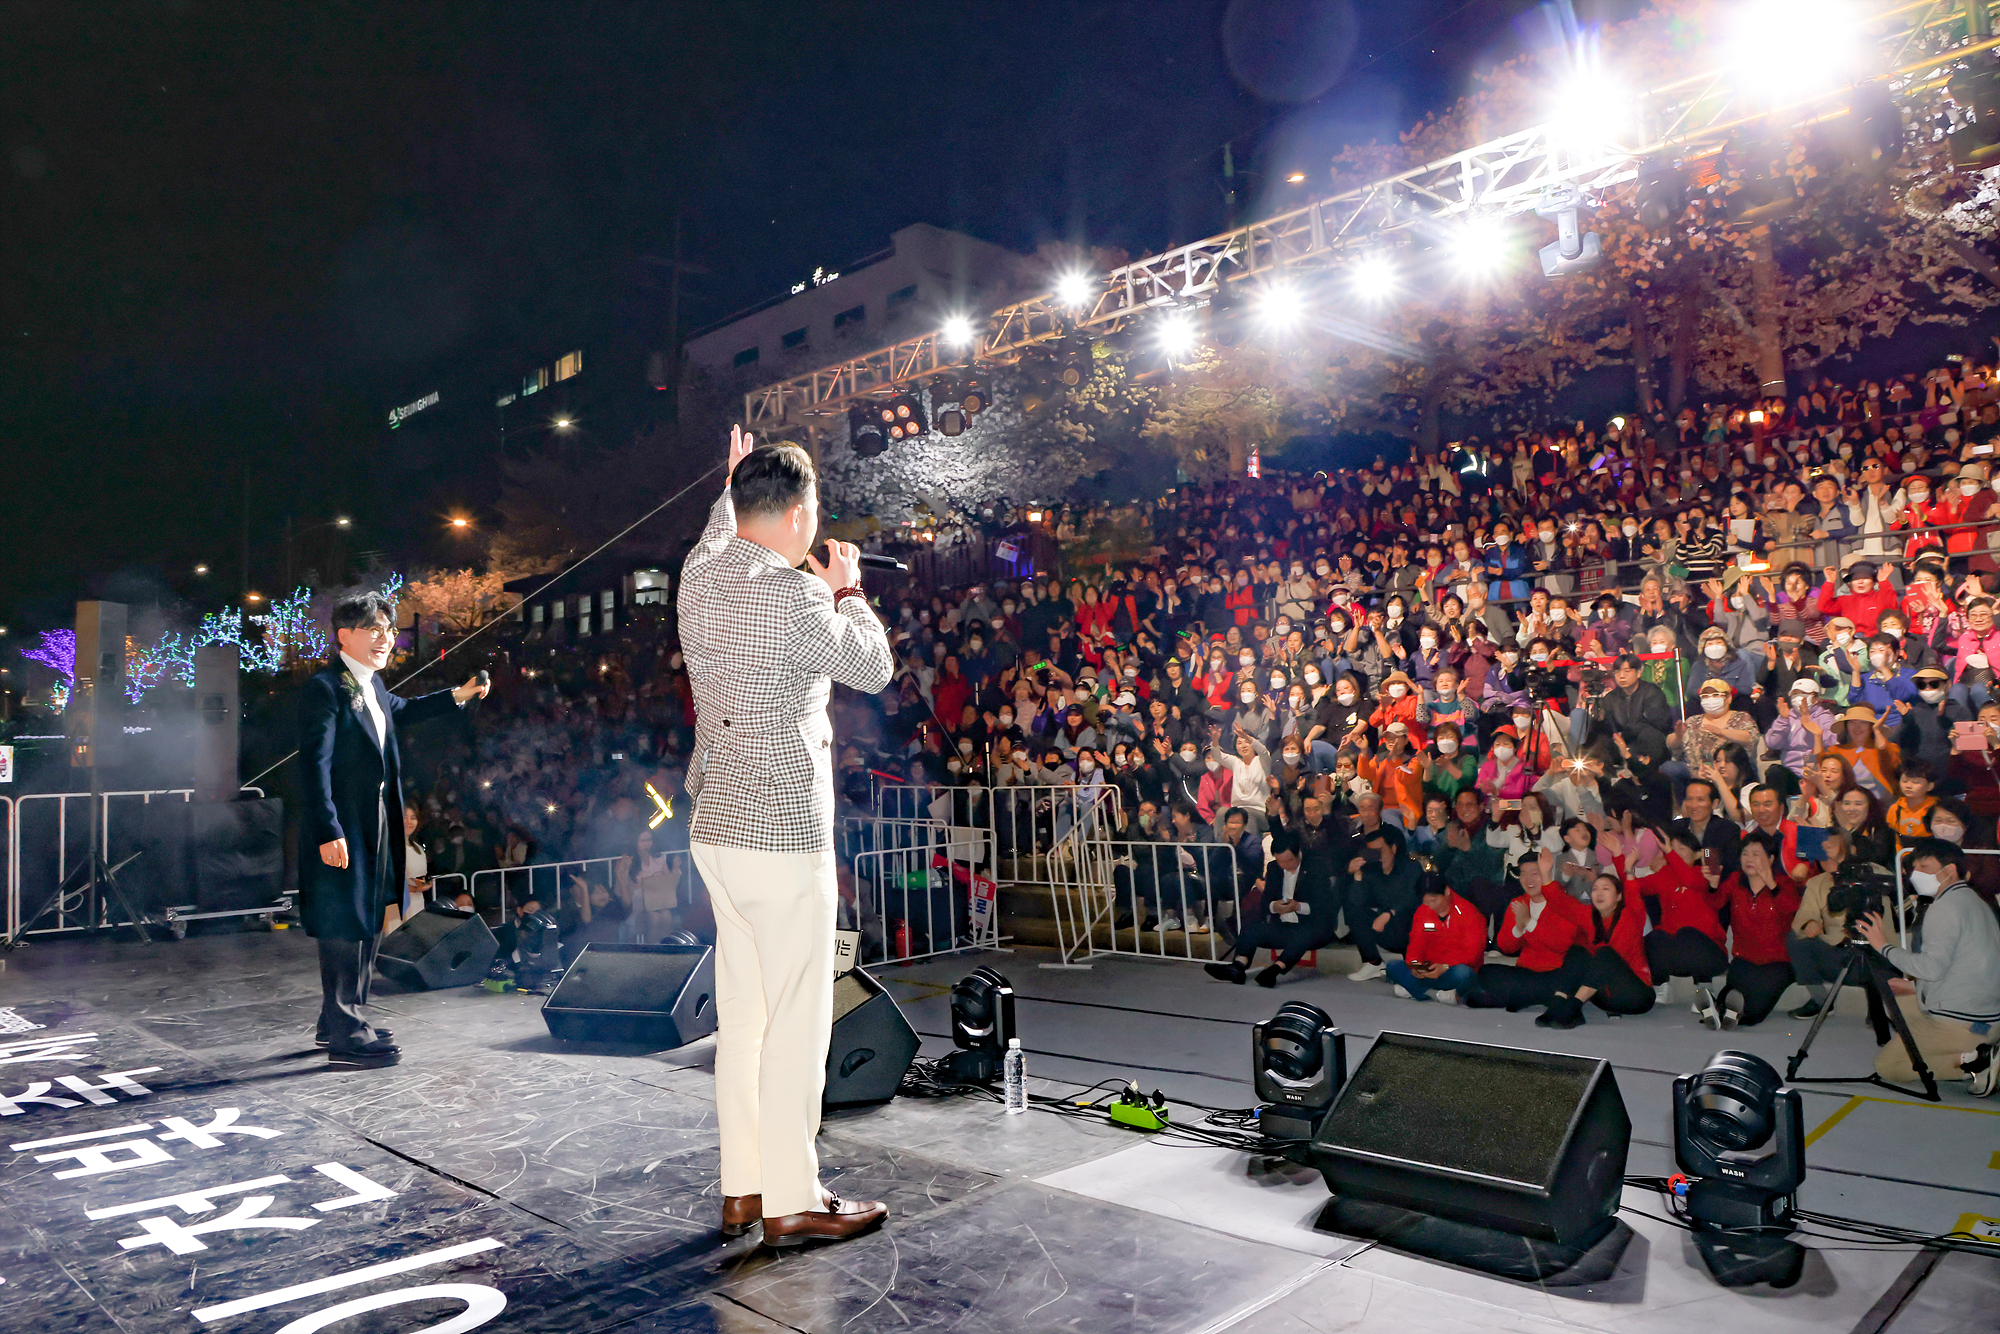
{"points": [[349, 780]]}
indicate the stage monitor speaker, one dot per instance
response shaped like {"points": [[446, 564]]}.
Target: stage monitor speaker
{"points": [[873, 1044], [439, 947], [93, 720], [656, 996], [218, 709], [1526, 1142]]}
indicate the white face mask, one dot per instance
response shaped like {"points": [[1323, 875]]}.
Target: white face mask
{"points": [[1347, 697], [1715, 652], [1801, 702], [1538, 657], [1006, 720], [1291, 757], [1509, 656], [1924, 883], [1970, 488], [1085, 765], [1187, 756], [1247, 696], [1503, 752], [1930, 696], [1557, 615], [1213, 765], [1878, 657], [1446, 745], [1398, 690], [1919, 497], [1428, 642], [1630, 529], [1521, 721], [1714, 703], [1736, 601], [1950, 833], [1312, 677], [1842, 638]]}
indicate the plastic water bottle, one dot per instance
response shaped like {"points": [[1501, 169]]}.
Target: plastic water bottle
{"points": [[1016, 1071]]}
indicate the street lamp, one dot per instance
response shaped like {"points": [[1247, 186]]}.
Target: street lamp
{"points": [[562, 423], [201, 569], [460, 522]]}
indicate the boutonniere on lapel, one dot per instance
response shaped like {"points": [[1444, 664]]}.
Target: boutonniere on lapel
{"points": [[353, 689]]}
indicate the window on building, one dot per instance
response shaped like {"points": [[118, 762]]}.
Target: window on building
{"points": [[607, 600], [583, 624], [535, 381], [746, 357], [649, 588], [902, 296], [852, 315], [610, 622], [796, 338], [504, 400], [568, 364], [536, 614]]}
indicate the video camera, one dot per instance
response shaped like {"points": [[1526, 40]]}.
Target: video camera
{"points": [[1546, 683], [1860, 888]]}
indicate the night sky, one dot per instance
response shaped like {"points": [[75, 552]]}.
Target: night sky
{"points": [[237, 232]]}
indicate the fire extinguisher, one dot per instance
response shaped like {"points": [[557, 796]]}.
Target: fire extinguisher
{"points": [[899, 939]]}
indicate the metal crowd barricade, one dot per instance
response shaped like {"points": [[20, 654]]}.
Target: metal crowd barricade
{"points": [[12, 906], [498, 889], [862, 833], [1158, 885], [1052, 843], [439, 891], [68, 844], [907, 801], [922, 900]]}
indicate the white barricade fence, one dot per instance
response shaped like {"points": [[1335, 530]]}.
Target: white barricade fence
{"points": [[923, 900], [502, 889], [907, 801], [10, 909], [1053, 842], [48, 839], [649, 904], [1171, 901]]}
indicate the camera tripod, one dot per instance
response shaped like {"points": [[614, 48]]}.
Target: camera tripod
{"points": [[92, 873], [1874, 968]]}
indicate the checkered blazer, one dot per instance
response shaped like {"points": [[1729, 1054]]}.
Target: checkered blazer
{"points": [[764, 644]]}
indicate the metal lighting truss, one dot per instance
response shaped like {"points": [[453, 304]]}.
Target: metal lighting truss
{"points": [[1543, 167]]}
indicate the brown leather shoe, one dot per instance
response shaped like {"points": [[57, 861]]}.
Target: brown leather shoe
{"points": [[740, 1213], [840, 1220]]}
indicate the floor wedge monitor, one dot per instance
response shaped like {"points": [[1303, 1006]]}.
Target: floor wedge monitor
{"points": [[656, 996]]}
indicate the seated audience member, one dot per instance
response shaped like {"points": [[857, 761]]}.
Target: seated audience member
{"points": [[1539, 927], [1716, 839], [1907, 814], [1868, 836], [1380, 899], [1578, 861], [1447, 945], [1762, 904], [1689, 939], [591, 915], [1607, 967], [1767, 817], [1470, 861], [1299, 912], [1950, 989], [1813, 944]]}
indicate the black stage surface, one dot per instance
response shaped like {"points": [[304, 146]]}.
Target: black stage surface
{"points": [[178, 1158]]}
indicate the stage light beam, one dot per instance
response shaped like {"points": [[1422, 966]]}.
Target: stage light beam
{"points": [[1789, 49], [1479, 246], [1075, 288], [1177, 335], [1280, 307], [958, 330], [1374, 278]]}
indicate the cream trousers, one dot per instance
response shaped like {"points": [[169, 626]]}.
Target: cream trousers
{"points": [[774, 918]]}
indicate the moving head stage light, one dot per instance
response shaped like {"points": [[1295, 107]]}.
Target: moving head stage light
{"points": [[1724, 1117], [1299, 1062], [982, 1020]]}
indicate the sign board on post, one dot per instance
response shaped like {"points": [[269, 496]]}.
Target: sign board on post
{"points": [[6, 764]]}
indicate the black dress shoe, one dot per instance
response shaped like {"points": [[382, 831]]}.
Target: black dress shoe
{"points": [[366, 1056], [1806, 1011], [1226, 972], [1268, 976], [320, 1038]]}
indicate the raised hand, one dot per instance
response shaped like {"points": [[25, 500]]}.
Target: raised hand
{"points": [[741, 442]]}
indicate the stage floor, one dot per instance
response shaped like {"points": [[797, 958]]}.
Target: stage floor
{"points": [[179, 1158]]}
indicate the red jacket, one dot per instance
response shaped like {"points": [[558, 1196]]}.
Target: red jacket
{"points": [[1757, 923], [1243, 602], [1562, 924], [1685, 898], [1459, 937], [1628, 937], [1864, 609]]}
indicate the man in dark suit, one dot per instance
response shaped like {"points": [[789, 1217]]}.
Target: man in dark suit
{"points": [[1298, 912], [350, 867]]}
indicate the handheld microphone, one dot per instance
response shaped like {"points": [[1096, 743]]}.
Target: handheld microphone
{"points": [[871, 561]]}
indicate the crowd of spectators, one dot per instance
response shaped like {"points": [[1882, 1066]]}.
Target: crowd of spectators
{"points": [[1541, 721]]}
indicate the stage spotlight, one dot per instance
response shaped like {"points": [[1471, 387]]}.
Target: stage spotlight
{"points": [[982, 1020], [902, 417], [1074, 365], [951, 421], [1661, 199], [1789, 49], [1724, 1119], [1176, 335], [1280, 307], [1298, 1063], [1373, 278], [1591, 110], [1573, 250], [1479, 245], [958, 330], [1075, 288], [863, 432]]}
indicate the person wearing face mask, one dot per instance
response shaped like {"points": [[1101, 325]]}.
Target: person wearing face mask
{"points": [[1802, 727], [1865, 599], [1449, 765], [1402, 702], [1504, 778], [1739, 607], [1949, 991], [1926, 728], [1716, 660], [1974, 653], [1253, 717], [1507, 566], [1249, 771]]}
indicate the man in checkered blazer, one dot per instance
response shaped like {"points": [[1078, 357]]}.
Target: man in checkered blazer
{"points": [[764, 642]]}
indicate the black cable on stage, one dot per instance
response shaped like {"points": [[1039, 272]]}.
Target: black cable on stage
{"points": [[1857, 1233]]}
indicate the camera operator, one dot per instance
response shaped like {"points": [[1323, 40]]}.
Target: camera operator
{"points": [[1950, 989], [1818, 928]]}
